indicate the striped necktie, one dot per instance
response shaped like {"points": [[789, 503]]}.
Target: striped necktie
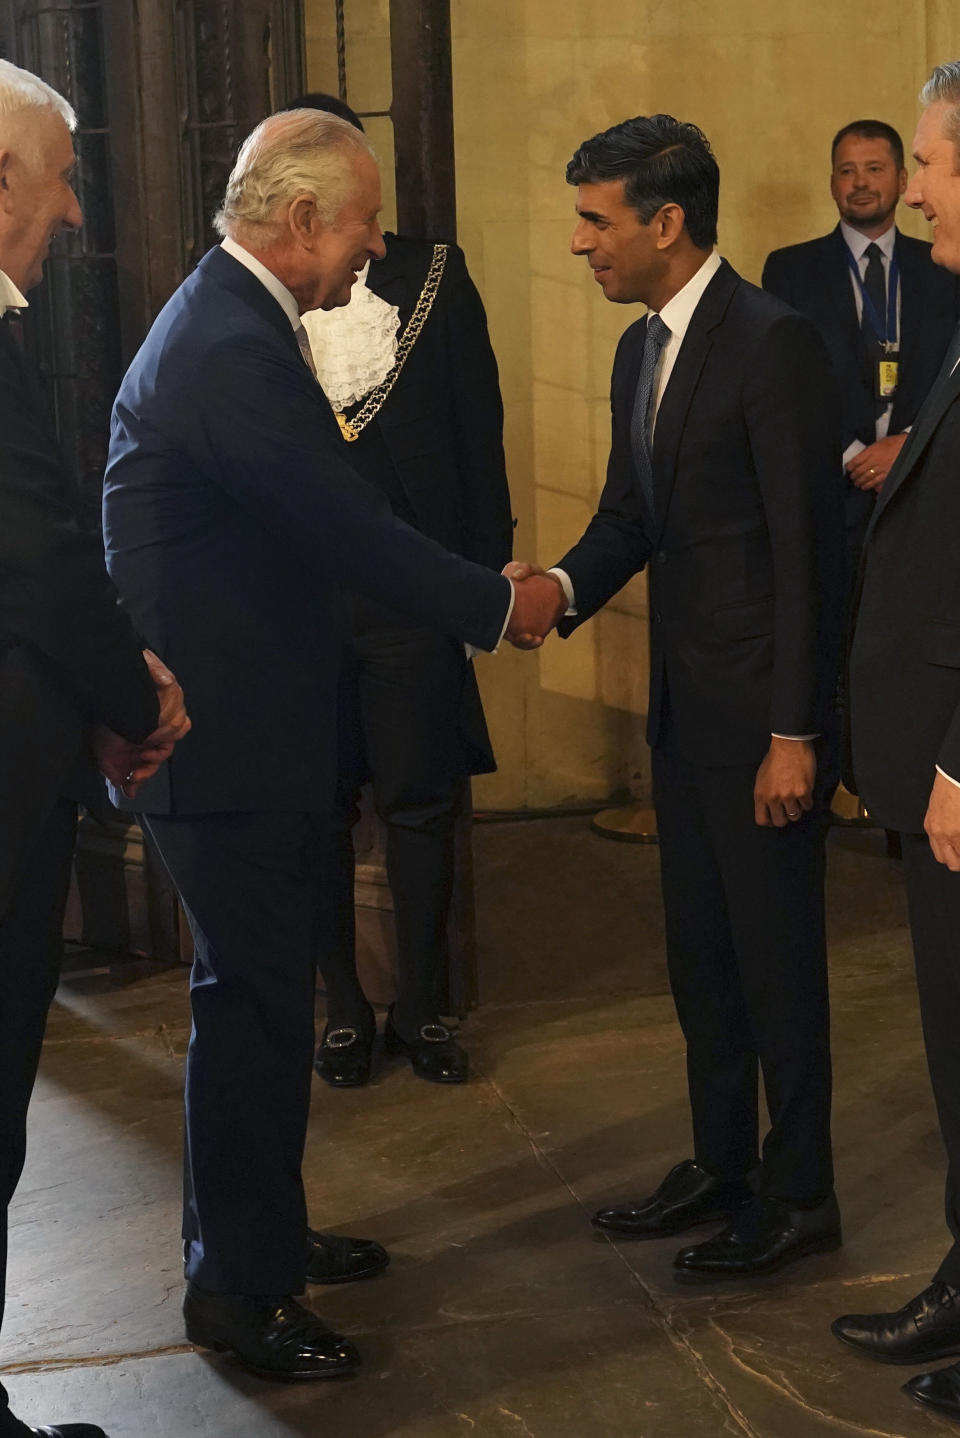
{"points": [[656, 337]]}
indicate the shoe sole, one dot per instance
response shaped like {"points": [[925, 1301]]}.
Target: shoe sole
{"points": [[350, 1277], [610, 1232], [707, 1275], [342, 1083], [952, 1351], [215, 1345]]}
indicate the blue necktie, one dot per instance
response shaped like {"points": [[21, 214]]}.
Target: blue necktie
{"points": [[656, 337]]}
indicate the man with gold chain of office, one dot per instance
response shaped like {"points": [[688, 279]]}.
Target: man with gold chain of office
{"points": [[409, 371]]}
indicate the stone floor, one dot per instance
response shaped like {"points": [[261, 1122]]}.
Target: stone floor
{"points": [[501, 1315]]}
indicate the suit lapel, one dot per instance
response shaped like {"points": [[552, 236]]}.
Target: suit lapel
{"points": [[678, 395], [837, 288]]}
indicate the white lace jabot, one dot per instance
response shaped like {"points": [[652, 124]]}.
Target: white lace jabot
{"points": [[354, 347]]}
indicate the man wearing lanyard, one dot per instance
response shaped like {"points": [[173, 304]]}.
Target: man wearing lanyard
{"points": [[884, 309]]}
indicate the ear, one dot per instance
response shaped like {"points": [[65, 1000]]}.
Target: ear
{"points": [[670, 222], [902, 183], [304, 221], [6, 167]]}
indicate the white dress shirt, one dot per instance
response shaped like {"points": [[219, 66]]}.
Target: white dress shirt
{"points": [[291, 309], [858, 245], [10, 296]]}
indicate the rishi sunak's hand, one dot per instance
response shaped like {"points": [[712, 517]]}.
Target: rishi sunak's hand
{"points": [[539, 601], [783, 791]]}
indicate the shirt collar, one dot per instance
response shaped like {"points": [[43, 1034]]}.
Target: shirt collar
{"points": [[10, 296], [266, 277], [857, 242], [678, 312]]}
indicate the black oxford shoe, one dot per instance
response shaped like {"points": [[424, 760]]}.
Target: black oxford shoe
{"points": [[434, 1053], [70, 1430], [343, 1058], [687, 1196], [765, 1235], [274, 1337], [939, 1390], [926, 1328], [333, 1258]]}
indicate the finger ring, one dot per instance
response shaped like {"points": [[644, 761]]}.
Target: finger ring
{"points": [[793, 813], [128, 777], [871, 471]]}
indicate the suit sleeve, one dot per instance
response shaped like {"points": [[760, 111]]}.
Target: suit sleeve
{"points": [[55, 596], [792, 416], [478, 418], [615, 545], [256, 427]]}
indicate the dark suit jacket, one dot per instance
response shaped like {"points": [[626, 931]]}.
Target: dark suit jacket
{"points": [[232, 519], [68, 656], [905, 653], [442, 425], [746, 564], [814, 278]]}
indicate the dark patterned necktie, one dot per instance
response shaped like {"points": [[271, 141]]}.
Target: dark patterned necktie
{"points": [[875, 285], [656, 337]]}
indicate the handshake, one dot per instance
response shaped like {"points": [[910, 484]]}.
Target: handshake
{"points": [[539, 601]]}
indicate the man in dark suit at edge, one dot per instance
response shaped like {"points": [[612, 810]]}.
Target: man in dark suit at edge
{"points": [[74, 687], [409, 364], [724, 478], [904, 684], [232, 520], [913, 303]]}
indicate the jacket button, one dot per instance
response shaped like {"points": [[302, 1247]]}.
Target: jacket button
{"points": [[662, 556]]}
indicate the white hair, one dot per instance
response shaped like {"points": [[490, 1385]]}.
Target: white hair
{"points": [[20, 90], [296, 152], [944, 84]]}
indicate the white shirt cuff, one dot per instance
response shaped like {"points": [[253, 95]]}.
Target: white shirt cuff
{"points": [[797, 738], [853, 449], [948, 777], [567, 586]]}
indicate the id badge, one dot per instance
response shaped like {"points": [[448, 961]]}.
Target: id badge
{"points": [[888, 370]]}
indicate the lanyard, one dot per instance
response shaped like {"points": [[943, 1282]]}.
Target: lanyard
{"points": [[883, 332]]}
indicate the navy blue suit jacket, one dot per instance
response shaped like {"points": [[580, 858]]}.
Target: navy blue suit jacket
{"points": [[231, 520], [814, 278]]}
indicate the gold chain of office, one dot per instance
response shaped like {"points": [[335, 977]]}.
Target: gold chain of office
{"points": [[351, 428]]}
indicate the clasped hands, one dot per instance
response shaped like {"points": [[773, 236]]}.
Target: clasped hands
{"points": [[128, 765], [539, 601]]}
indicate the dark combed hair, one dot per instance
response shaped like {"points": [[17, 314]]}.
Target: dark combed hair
{"points": [[870, 130], [317, 100], [661, 162]]}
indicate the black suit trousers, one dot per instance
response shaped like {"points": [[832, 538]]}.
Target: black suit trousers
{"points": [[31, 946], [746, 952], [253, 888], [400, 701], [933, 897]]}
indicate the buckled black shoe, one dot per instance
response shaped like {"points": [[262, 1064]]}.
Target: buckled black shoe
{"points": [[763, 1236], [926, 1328], [273, 1337], [333, 1258], [434, 1053], [343, 1058], [939, 1390], [687, 1196], [69, 1430]]}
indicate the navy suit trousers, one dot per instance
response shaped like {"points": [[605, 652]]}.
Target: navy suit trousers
{"points": [[253, 886]]}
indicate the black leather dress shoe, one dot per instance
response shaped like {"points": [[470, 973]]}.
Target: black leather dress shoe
{"points": [[333, 1258], [274, 1337], [687, 1196], [343, 1058], [434, 1053], [939, 1390], [926, 1328], [69, 1430], [764, 1236]]}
